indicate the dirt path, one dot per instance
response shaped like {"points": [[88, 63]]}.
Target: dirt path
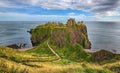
{"points": [[53, 51]]}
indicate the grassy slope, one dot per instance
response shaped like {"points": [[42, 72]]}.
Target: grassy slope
{"points": [[32, 62]]}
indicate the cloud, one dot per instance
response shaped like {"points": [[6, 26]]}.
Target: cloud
{"points": [[12, 16], [99, 8], [104, 6], [6, 4], [96, 6], [73, 15], [11, 4]]}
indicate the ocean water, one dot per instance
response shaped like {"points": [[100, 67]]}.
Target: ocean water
{"points": [[103, 35], [15, 32]]}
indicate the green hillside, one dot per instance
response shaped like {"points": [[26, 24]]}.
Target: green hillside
{"points": [[14, 61], [68, 40]]}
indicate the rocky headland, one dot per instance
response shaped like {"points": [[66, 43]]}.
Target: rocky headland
{"points": [[60, 34]]}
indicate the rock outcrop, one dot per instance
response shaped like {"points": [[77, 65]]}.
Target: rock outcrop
{"points": [[103, 55], [61, 35], [17, 46]]}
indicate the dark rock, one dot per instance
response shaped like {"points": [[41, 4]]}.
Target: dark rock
{"points": [[15, 46], [30, 31]]}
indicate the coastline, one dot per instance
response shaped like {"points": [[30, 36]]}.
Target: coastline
{"points": [[90, 50], [24, 49]]}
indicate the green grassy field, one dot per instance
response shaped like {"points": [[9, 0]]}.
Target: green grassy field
{"points": [[14, 61]]}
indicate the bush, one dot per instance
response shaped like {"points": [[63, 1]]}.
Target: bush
{"points": [[102, 55]]}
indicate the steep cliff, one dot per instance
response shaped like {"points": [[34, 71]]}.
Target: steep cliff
{"points": [[61, 34]]}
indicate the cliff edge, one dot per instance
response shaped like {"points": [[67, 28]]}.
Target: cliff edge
{"points": [[60, 34]]}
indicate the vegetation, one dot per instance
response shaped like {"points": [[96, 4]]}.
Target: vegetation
{"points": [[46, 66], [68, 41], [60, 35]]}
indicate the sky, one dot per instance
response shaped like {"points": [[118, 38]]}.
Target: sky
{"points": [[59, 10]]}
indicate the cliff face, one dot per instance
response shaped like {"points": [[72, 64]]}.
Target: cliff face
{"points": [[61, 34]]}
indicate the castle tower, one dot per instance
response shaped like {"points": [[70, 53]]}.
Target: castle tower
{"points": [[71, 22]]}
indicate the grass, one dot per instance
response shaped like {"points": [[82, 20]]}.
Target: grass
{"points": [[18, 56], [43, 64], [115, 67], [11, 67]]}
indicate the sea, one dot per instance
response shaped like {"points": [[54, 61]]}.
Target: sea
{"points": [[102, 34]]}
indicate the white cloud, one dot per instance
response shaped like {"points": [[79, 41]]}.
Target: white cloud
{"points": [[12, 16], [71, 15], [108, 16], [2, 4], [113, 13], [10, 4], [96, 6], [6, 4], [102, 9]]}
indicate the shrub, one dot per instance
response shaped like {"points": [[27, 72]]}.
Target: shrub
{"points": [[102, 55]]}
